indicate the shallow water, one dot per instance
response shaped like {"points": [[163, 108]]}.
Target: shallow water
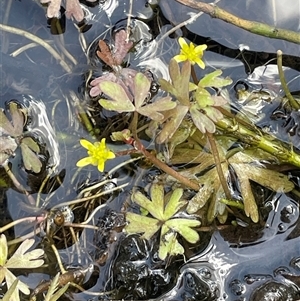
{"points": [[231, 264]]}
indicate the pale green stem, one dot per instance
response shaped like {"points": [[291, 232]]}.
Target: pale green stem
{"points": [[293, 102], [261, 140]]}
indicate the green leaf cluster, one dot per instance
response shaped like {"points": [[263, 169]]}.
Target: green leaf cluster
{"points": [[21, 259], [121, 99], [200, 104], [163, 211], [247, 167], [12, 136]]}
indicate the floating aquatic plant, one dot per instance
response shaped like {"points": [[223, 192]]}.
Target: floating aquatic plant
{"points": [[163, 211], [201, 104], [133, 98], [114, 58], [73, 9], [12, 136]]}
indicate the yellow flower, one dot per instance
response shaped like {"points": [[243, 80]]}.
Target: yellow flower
{"points": [[191, 53], [98, 154]]}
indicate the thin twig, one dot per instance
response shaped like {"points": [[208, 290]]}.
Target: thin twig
{"points": [[39, 41]]}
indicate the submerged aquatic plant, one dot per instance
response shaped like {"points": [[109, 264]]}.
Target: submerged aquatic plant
{"points": [[12, 136], [190, 53], [114, 58], [21, 259], [73, 9], [163, 211], [98, 154]]}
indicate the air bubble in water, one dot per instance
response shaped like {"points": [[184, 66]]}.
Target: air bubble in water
{"points": [[237, 287]]}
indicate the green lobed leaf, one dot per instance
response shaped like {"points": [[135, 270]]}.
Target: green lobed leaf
{"points": [[3, 250], [213, 113], [141, 89], [30, 159], [22, 259], [152, 110], [5, 125], [31, 144], [180, 80], [141, 224], [184, 227], [140, 199], [157, 195], [213, 80], [174, 204], [119, 100], [201, 121], [203, 97]]}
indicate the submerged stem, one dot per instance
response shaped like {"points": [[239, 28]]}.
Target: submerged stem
{"points": [[215, 153], [39, 41]]}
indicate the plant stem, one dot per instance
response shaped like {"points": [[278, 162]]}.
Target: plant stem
{"points": [[233, 203], [251, 26], [194, 76], [261, 140], [185, 181], [17, 184], [39, 41], [215, 153], [286, 90]]}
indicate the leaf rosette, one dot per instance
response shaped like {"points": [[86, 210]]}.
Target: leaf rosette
{"points": [[163, 211]]}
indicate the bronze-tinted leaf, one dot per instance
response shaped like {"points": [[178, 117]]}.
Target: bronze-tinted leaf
{"points": [[6, 126], [152, 110], [177, 114], [122, 46], [105, 54], [30, 159], [17, 118]]}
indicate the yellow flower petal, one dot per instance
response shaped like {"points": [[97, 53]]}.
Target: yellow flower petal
{"points": [[84, 162], [98, 154], [101, 166], [190, 53], [200, 63], [86, 144], [182, 43], [180, 58], [200, 48]]}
